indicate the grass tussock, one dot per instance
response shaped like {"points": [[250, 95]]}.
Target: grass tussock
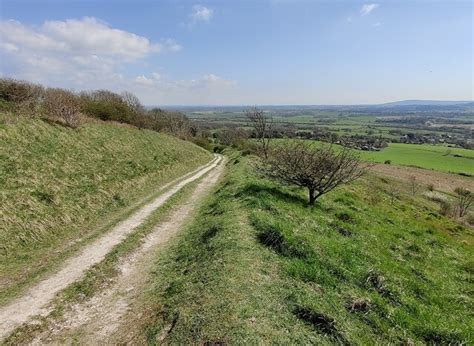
{"points": [[260, 266]]}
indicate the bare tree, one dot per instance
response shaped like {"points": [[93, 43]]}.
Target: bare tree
{"points": [[394, 193], [64, 105], [320, 169], [133, 102], [262, 126], [464, 200], [414, 185]]}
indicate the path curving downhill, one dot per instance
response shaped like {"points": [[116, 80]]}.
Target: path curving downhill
{"points": [[109, 317], [35, 301]]}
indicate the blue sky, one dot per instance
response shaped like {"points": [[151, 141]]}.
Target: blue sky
{"points": [[244, 52]]}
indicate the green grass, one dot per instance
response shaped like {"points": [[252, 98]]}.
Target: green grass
{"points": [[259, 266], [61, 187], [436, 157]]}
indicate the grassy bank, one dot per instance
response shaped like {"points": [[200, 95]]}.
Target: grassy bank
{"points": [[258, 266], [61, 186]]}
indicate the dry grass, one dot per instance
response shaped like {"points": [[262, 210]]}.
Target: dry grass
{"points": [[60, 185], [441, 181]]}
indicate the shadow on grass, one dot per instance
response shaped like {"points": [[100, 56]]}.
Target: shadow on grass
{"points": [[256, 190], [321, 323]]}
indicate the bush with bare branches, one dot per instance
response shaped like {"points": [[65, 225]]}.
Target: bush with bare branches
{"points": [[464, 200], [319, 168], [63, 105], [21, 94]]}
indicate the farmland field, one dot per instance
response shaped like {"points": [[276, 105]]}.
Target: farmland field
{"points": [[440, 158]]}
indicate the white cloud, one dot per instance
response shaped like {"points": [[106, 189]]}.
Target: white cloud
{"points": [[143, 80], [208, 89], [212, 79], [156, 76], [202, 13], [169, 45], [81, 36], [367, 8], [79, 53]]}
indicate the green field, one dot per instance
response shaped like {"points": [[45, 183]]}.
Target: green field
{"points": [[259, 266], [61, 186], [436, 157]]}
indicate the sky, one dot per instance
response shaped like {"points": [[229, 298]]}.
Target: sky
{"points": [[244, 52]]}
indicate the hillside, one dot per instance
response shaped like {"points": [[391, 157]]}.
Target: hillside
{"points": [[356, 269], [62, 187]]}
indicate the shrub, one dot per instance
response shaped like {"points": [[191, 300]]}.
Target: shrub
{"points": [[319, 169], [388, 162], [20, 93], [470, 219], [464, 200], [106, 105], [63, 105], [445, 208], [435, 196]]}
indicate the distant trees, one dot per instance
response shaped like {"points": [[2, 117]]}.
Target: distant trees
{"points": [[320, 169], [262, 125], [231, 136]]}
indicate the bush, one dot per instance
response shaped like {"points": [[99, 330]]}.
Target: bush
{"points": [[388, 162], [63, 105], [218, 149], [21, 94], [435, 196], [445, 208], [203, 142], [465, 199], [470, 219], [106, 105]]}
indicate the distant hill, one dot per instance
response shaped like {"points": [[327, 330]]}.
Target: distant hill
{"points": [[425, 103]]}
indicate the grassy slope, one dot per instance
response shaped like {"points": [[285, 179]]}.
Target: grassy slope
{"points": [[61, 186], [425, 156], [258, 265]]}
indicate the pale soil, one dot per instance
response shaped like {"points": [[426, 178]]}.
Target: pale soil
{"points": [[35, 301], [445, 182], [104, 319]]}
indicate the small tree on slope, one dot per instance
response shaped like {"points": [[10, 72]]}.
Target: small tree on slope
{"points": [[464, 200], [320, 169]]}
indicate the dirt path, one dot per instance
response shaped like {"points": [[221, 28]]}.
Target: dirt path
{"points": [[35, 301], [99, 319]]}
